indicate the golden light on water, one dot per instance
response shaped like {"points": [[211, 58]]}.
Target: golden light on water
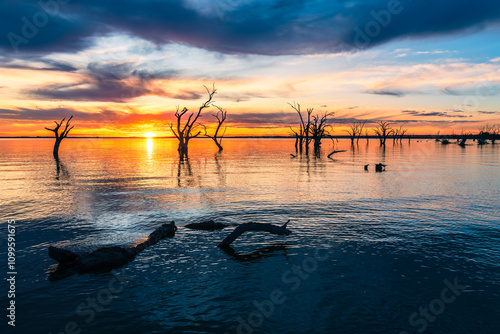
{"points": [[149, 145]]}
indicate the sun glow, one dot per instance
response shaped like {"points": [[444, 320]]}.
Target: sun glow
{"points": [[149, 135]]}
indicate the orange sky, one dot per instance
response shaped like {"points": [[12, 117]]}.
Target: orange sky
{"points": [[414, 84]]}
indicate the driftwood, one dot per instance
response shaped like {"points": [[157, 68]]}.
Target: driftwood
{"points": [[105, 258], [208, 225], [279, 230]]}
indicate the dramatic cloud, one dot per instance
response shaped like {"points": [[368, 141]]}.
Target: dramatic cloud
{"points": [[115, 82], [238, 26]]}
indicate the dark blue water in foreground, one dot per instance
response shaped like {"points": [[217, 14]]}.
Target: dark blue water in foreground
{"points": [[414, 249]]}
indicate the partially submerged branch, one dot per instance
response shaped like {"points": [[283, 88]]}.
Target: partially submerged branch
{"points": [[208, 225], [245, 227], [334, 151]]}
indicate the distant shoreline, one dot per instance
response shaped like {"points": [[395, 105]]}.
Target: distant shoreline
{"points": [[226, 137]]}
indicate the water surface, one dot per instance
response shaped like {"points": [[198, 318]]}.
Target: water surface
{"points": [[370, 248]]}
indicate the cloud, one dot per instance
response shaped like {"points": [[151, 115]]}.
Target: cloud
{"points": [[111, 82], [264, 118], [488, 112], [434, 113], [388, 92], [267, 27], [481, 88], [27, 114], [449, 78], [433, 52], [39, 64]]}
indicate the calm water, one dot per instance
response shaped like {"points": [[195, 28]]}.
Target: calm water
{"points": [[367, 249]]}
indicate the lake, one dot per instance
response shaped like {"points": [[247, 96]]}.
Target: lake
{"points": [[414, 249]]}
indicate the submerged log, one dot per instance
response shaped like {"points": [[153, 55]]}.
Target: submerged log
{"points": [[104, 258], [208, 225], [245, 227], [62, 255]]}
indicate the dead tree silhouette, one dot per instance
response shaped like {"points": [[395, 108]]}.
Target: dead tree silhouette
{"points": [[318, 129], [355, 131], [360, 132], [297, 138], [383, 131], [183, 133], [398, 134], [221, 117], [60, 136], [402, 132], [311, 128], [494, 132], [305, 127]]}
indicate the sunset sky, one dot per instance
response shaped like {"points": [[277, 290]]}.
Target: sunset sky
{"points": [[121, 67]]}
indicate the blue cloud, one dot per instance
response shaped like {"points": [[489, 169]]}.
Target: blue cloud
{"points": [[269, 27]]}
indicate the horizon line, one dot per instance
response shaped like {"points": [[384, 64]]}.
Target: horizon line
{"points": [[228, 137]]}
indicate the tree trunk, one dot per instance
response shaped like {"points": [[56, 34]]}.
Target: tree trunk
{"points": [[183, 149], [218, 144], [55, 152], [317, 142]]}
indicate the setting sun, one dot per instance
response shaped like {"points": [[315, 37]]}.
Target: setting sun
{"points": [[149, 134]]}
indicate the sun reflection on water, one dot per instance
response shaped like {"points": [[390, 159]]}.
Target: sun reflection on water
{"points": [[150, 146]]}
